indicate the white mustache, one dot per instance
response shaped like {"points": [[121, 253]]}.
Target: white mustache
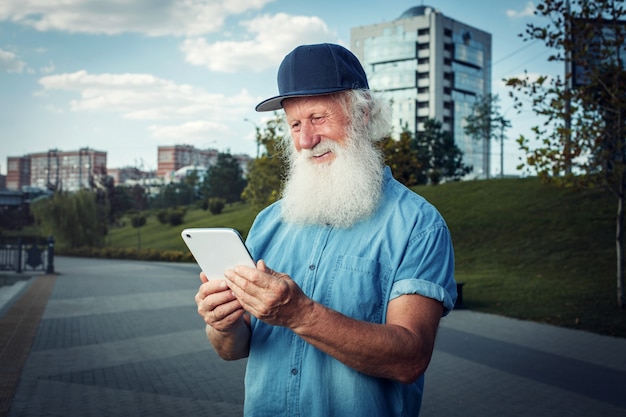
{"points": [[320, 149]]}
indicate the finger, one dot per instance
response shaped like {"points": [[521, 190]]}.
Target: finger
{"points": [[261, 266], [217, 306], [210, 288], [223, 311], [235, 278], [203, 277], [225, 323]]}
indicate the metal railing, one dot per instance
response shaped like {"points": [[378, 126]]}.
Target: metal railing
{"points": [[17, 256]]}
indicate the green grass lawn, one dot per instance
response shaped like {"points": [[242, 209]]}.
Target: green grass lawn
{"points": [[523, 249], [535, 251], [154, 235]]}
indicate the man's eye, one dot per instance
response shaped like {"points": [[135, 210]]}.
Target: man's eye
{"points": [[317, 119], [295, 126]]}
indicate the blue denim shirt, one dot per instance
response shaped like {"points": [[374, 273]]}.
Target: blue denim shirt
{"points": [[404, 248]]}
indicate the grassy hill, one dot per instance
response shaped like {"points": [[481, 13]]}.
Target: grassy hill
{"points": [[523, 249], [533, 251]]}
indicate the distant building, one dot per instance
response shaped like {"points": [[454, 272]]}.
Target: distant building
{"points": [[57, 170], [430, 67], [128, 174], [18, 172], [172, 158]]}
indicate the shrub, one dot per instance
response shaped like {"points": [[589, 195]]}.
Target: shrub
{"points": [[176, 216], [138, 220], [163, 216], [216, 205]]}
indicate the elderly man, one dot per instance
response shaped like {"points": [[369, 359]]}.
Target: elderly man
{"points": [[344, 322]]}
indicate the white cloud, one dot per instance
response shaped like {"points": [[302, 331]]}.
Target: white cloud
{"points": [[193, 131], [273, 37], [153, 18], [10, 63], [144, 97], [48, 69], [528, 11]]}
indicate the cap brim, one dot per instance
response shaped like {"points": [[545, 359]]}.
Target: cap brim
{"points": [[276, 103]]}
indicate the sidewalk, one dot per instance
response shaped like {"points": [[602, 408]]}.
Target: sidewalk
{"points": [[122, 338]]}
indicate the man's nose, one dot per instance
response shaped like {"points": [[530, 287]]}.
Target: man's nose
{"points": [[308, 137]]}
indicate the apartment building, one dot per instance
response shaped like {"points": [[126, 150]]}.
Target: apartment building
{"points": [[172, 158], [57, 170]]}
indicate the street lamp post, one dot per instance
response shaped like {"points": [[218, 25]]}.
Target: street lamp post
{"points": [[258, 134]]}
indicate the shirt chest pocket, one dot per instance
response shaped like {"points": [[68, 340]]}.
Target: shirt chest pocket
{"points": [[358, 288]]}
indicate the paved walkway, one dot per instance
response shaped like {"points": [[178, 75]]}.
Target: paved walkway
{"points": [[122, 338]]}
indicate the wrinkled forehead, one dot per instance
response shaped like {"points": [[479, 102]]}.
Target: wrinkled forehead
{"points": [[307, 105]]}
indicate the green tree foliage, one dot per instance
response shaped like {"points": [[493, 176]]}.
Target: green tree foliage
{"points": [[120, 201], [225, 179], [439, 159], [176, 216], [582, 138], [265, 173], [74, 220], [486, 123], [401, 156], [138, 220], [174, 195], [216, 205]]}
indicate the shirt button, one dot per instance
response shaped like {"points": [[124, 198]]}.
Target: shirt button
{"points": [[294, 371], [311, 267]]}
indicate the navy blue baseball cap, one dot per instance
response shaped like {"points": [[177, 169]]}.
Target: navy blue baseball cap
{"points": [[312, 70]]}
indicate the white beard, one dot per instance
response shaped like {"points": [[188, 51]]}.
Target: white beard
{"points": [[338, 193]]}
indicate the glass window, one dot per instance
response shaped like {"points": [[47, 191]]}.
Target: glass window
{"points": [[468, 54]]}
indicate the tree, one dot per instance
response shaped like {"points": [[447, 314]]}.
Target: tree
{"points": [[138, 220], [173, 195], [266, 172], [438, 156], [74, 220], [401, 156], [225, 179], [486, 123], [120, 201], [582, 141]]}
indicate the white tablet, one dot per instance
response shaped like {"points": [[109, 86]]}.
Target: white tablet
{"points": [[217, 249]]}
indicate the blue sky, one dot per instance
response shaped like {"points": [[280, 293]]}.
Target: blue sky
{"points": [[127, 76]]}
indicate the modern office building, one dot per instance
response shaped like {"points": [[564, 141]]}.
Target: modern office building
{"points": [[57, 170], [429, 66]]}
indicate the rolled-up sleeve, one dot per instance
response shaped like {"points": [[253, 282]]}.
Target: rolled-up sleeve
{"points": [[428, 267]]}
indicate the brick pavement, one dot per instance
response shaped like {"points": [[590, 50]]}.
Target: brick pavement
{"points": [[123, 338], [18, 327]]}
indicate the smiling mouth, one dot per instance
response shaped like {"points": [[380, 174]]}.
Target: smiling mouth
{"points": [[322, 150], [322, 153]]}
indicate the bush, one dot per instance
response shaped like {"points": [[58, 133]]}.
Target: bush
{"points": [[176, 216], [163, 216], [216, 205], [138, 220], [202, 204], [127, 253]]}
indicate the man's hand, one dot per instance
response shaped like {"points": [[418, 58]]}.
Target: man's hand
{"points": [[217, 305], [227, 326], [272, 297], [399, 350]]}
